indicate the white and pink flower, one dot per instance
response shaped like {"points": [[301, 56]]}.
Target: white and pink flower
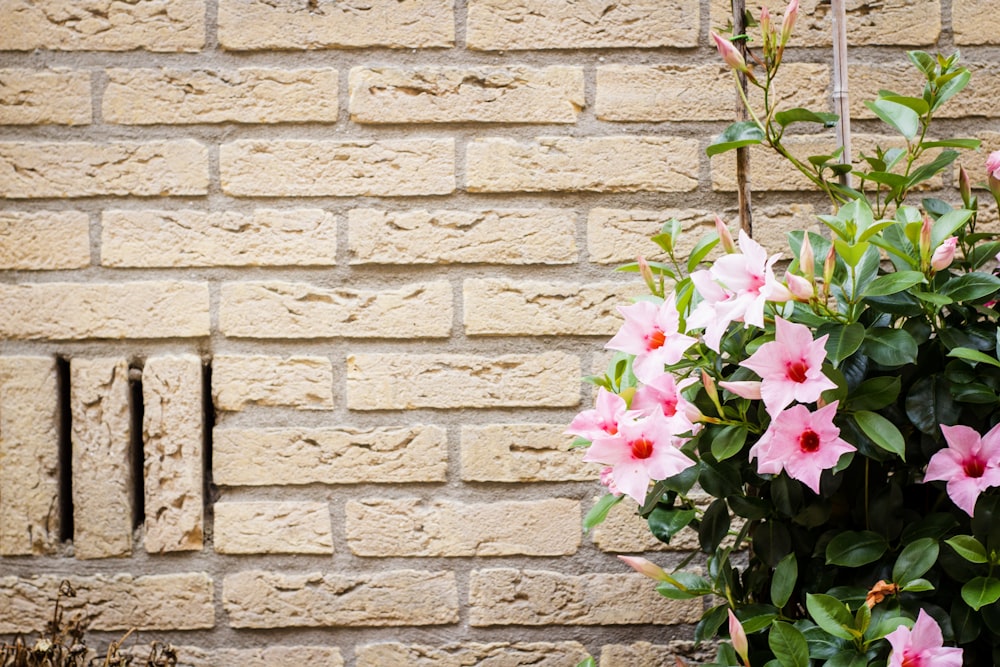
{"points": [[603, 419], [923, 646], [970, 464], [650, 333], [664, 393]]}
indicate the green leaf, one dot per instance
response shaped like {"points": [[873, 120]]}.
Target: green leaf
{"points": [[783, 583], [875, 393], [665, 523], [931, 297], [952, 87], [983, 253], [891, 283], [919, 106], [728, 442], [968, 548], [701, 250], [800, 115], [947, 224], [710, 622], [788, 645], [915, 560], [599, 512], [923, 61], [855, 548], [882, 432], [683, 586], [974, 356], [890, 347], [904, 119], [969, 144], [832, 615], [971, 286], [929, 403], [938, 164], [588, 662], [844, 340], [918, 586], [714, 526], [981, 591], [737, 135]]}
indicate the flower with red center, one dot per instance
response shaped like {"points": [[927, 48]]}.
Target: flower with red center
{"points": [[801, 443], [665, 393], [970, 464], [644, 449], [602, 419], [923, 646], [650, 333], [790, 367]]}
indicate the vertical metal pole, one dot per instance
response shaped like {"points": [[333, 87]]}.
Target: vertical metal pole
{"points": [[841, 102], [742, 154]]}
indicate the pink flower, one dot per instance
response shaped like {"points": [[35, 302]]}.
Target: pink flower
{"points": [[735, 289], [665, 393], [923, 646], [607, 481], [790, 367], [729, 53], [650, 333], [970, 464], [944, 254], [642, 450], [801, 443], [602, 420], [800, 288], [993, 165], [743, 388]]}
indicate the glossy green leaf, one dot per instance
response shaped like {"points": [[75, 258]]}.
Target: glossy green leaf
{"points": [[800, 115], [783, 582], [728, 442], [923, 61], [947, 224], [890, 347], [683, 586], [914, 560], [932, 168], [714, 526], [875, 393], [917, 586], [891, 283], [971, 287], [882, 432], [788, 645], [915, 103], [664, 523], [968, 144], [929, 403], [981, 591], [832, 615], [951, 88], [855, 548], [843, 341], [904, 119], [701, 250], [599, 512], [968, 548], [737, 135]]}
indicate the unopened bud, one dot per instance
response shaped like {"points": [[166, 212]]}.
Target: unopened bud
{"points": [[739, 638], [728, 244], [807, 260], [766, 30], [964, 187], [730, 53], [801, 289], [924, 244], [791, 13], [993, 173], [829, 264], [944, 254], [646, 273], [645, 567]]}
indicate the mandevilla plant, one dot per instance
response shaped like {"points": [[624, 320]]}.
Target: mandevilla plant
{"points": [[843, 417]]}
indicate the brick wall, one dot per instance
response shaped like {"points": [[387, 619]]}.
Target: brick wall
{"points": [[295, 298]]}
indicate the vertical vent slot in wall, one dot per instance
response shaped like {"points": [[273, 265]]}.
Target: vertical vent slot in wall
{"points": [[208, 407], [65, 437], [136, 450]]}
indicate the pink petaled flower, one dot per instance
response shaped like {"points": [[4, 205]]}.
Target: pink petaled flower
{"points": [[801, 443], [970, 464], [642, 450], [790, 367], [944, 254], [993, 165], [735, 289], [650, 333], [923, 646], [608, 482], [665, 393], [602, 419]]}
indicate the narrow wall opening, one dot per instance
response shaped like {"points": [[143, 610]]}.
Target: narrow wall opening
{"points": [[65, 444], [136, 449]]}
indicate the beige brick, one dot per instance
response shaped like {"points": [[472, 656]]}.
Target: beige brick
{"points": [[258, 599], [522, 453], [248, 457], [29, 456], [491, 236], [299, 310], [564, 24], [624, 531], [596, 164], [979, 98], [536, 597], [102, 25], [37, 97], [263, 237], [513, 94], [251, 95], [537, 308], [894, 22], [443, 528], [270, 656], [975, 165], [496, 654], [301, 382], [974, 22], [699, 92], [305, 168], [259, 24], [181, 601], [146, 309], [76, 169], [645, 654], [102, 459], [172, 434], [272, 528], [44, 240], [616, 236], [407, 381]]}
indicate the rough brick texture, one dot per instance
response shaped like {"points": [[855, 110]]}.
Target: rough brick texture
{"points": [[258, 599], [521, 453], [270, 656], [300, 382], [272, 527], [44, 240], [29, 456], [36, 97], [172, 434], [254, 457], [974, 23], [500, 654], [441, 528], [181, 601]]}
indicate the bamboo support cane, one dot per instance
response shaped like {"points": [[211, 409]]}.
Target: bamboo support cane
{"points": [[840, 95], [743, 153]]}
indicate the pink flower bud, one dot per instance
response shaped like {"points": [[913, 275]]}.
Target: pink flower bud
{"points": [[766, 29], [800, 288], [724, 236], [924, 244], [944, 254], [964, 186], [807, 260], [743, 388], [646, 273], [791, 13], [993, 173], [645, 567], [829, 264], [738, 637], [730, 53]]}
